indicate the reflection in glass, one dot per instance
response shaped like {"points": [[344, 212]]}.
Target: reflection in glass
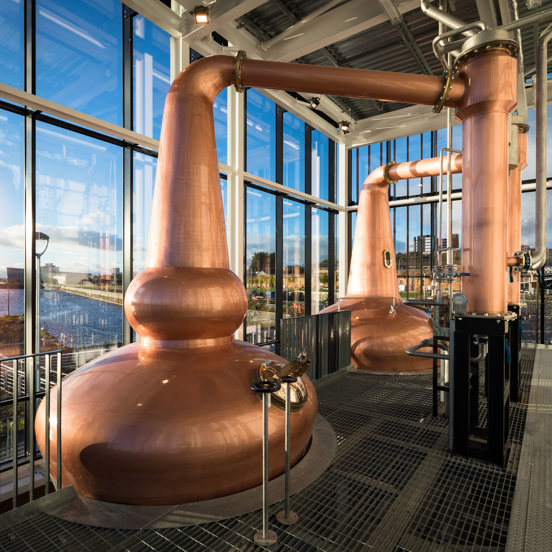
{"points": [[144, 183], [260, 322], [79, 56], [294, 152], [79, 206], [261, 135], [151, 49], [320, 164], [12, 43], [220, 111], [399, 218], [294, 259], [401, 156], [320, 260], [12, 234]]}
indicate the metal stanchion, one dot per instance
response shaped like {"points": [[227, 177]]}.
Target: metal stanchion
{"points": [[266, 537], [287, 516]]}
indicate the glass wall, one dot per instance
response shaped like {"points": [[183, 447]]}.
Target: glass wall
{"points": [[151, 47], [320, 260], [320, 165], [12, 43], [293, 268], [294, 152], [260, 273], [260, 135], [79, 56], [12, 234], [144, 182], [79, 239]]}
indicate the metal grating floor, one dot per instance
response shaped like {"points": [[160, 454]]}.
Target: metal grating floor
{"points": [[393, 487]]}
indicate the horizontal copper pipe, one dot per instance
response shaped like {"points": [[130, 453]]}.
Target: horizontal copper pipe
{"points": [[352, 83]]}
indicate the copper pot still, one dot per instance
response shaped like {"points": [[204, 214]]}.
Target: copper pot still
{"points": [[171, 419], [382, 326]]}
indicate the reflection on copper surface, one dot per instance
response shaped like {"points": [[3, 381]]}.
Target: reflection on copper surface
{"points": [[484, 111], [382, 326], [514, 214]]}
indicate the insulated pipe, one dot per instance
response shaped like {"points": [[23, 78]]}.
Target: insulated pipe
{"points": [[367, 274], [443, 17], [484, 112], [514, 212], [539, 257]]}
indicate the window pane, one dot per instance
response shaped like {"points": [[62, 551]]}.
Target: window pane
{"points": [[415, 246], [398, 219], [12, 234], [294, 259], [320, 162], [220, 110], [261, 135], [12, 58], [144, 181], [294, 152], [151, 49], [320, 260], [79, 207], [401, 155], [415, 185], [260, 266], [79, 56]]}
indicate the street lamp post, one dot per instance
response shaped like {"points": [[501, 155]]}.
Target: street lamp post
{"points": [[39, 237]]}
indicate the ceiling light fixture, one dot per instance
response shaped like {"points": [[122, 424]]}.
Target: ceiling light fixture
{"points": [[345, 127], [201, 15], [314, 102]]}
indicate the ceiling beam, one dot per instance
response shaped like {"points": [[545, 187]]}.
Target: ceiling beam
{"points": [[332, 26], [157, 13], [407, 37], [219, 14], [487, 12]]}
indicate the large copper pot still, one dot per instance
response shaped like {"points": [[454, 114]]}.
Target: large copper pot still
{"points": [[171, 419]]}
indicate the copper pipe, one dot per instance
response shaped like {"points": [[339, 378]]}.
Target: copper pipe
{"points": [[514, 215], [484, 111], [352, 83], [171, 418], [382, 326]]}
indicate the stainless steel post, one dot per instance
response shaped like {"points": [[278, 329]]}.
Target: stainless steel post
{"points": [[266, 537], [287, 516]]}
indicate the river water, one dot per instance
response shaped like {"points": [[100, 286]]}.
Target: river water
{"points": [[73, 320]]}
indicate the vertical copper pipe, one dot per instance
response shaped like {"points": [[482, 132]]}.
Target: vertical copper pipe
{"points": [[514, 213], [490, 98]]}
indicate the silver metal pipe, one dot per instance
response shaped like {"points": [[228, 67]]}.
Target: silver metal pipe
{"points": [[539, 258], [29, 421], [449, 197], [266, 398], [524, 21], [15, 395], [47, 423], [287, 516], [443, 17], [58, 428]]}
